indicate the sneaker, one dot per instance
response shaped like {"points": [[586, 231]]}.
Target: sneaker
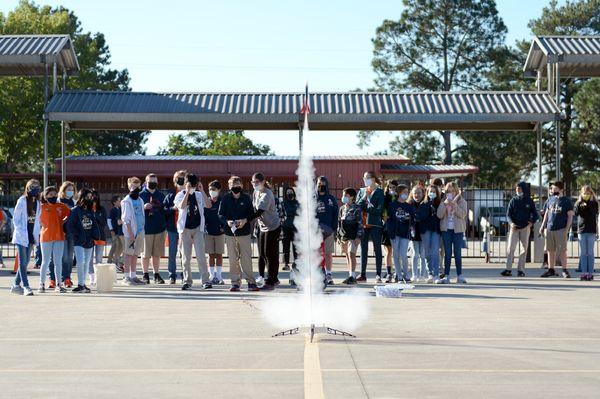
{"points": [[16, 289], [68, 283], [328, 279], [445, 280], [127, 281], [60, 289], [389, 277], [521, 273], [438, 281], [78, 290], [145, 278], [506, 273], [549, 273], [86, 289], [120, 268], [137, 281], [565, 274], [186, 287], [252, 288], [378, 280], [590, 277], [460, 280], [350, 280], [52, 284], [429, 279], [214, 280], [158, 279], [414, 280], [172, 280], [396, 279], [27, 291], [583, 277], [235, 288], [206, 286], [220, 281], [2, 265], [286, 268], [293, 284], [42, 289], [361, 278], [267, 287], [260, 281]]}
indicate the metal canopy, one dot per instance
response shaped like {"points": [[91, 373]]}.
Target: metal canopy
{"points": [[576, 56], [103, 110], [28, 55]]}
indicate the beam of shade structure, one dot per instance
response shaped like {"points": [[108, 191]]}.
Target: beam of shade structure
{"points": [[280, 111]]}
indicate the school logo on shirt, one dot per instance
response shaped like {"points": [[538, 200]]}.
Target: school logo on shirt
{"points": [[320, 206], [86, 222], [556, 208], [402, 215]]}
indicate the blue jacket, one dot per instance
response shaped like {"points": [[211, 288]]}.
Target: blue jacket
{"points": [[421, 216], [521, 210], [401, 217], [432, 222], [101, 219], [327, 210], [170, 214], [236, 209], [155, 218], [290, 211], [212, 222], [115, 217], [83, 227]]}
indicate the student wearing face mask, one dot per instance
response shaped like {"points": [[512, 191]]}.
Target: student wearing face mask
{"points": [[215, 234], [269, 224], [235, 212], [66, 195], [521, 215], [83, 226], [391, 195], [370, 198], [154, 229], [132, 216], [350, 231], [290, 211], [116, 232], [52, 236], [26, 233], [171, 215], [452, 213], [100, 243], [191, 203], [588, 226], [419, 262], [399, 224], [327, 215], [431, 236]]}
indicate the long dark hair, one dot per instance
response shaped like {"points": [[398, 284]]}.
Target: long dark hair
{"points": [[81, 196], [31, 201], [96, 199], [47, 191], [438, 197]]}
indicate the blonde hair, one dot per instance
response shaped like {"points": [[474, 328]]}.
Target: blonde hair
{"points": [[584, 190], [63, 188], [411, 196], [133, 180], [454, 186]]}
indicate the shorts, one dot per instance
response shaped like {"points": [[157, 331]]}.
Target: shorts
{"points": [[137, 247], [353, 244], [385, 238], [154, 245], [556, 241], [214, 244], [329, 244]]}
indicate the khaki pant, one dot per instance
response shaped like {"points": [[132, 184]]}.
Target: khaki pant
{"points": [[116, 248], [193, 238], [514, 237], [239, 250]]}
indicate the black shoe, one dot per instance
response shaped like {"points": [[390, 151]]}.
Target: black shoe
{"points": [[146, 278], [285, 268], [276, 282], [549, 273], [253, 288], [235, 288], [86, 289], [566, 274], [186, 287], [267, 287], [207, 286], [293, 284], [350, 280], [172, 280], [506, 273], [158, 279], [521, 273], [79, 289]]}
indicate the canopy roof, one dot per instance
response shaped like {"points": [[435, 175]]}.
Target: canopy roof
{"points": [[576, 56], [27, 55], [104, 110], [429, 171]]}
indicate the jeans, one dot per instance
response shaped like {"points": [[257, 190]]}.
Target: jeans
{"points": [[586, 252], [288, 241], [24, 255], [400, 255], [452, 241], [51, 251], [419, 265], [374, 233], [67, 259], [268, 254], [96, 257], [173, 249], [84, 256], [431, 244]]}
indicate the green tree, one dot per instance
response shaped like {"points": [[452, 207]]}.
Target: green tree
{"points": [[21, 104], [213, 142], [439, 45]]}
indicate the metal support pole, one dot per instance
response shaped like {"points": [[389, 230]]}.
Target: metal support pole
{"points": [[557, 88], [45, 127], [538, 85], [54, 78], [63, 159]]}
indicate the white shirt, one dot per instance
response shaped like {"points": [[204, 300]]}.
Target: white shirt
{"points": [[182, 214]]}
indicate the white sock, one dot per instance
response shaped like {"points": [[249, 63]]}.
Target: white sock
{"points": [[212, 271], [219, 272], [351, 274], [131, 274]]}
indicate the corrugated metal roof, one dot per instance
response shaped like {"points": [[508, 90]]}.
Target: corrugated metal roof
{"points": [[25, 54], [329, 111], [577, 56], [233, 158], [429, 168]]}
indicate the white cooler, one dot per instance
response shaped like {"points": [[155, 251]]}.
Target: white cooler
{"points": [[106, 274]]}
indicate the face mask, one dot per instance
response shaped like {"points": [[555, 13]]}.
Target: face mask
{"points": [[257, 186], [135, 193], [432, 195], [392, 192], [404, 196], [152, 185], [290, 195], [450, 196], [586, 197], [556, 193], [236, 189], [520, 194], [368, 182], [322, 189], [89, 202], [69, 193], [51, 200], [345, 199], [180, 181], [33, 191], [213, 193]]}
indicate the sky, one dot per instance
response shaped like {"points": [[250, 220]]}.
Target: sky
{"points": [[258, 45]]}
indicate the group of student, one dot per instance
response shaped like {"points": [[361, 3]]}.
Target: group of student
{"points": [[429, 220]]}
